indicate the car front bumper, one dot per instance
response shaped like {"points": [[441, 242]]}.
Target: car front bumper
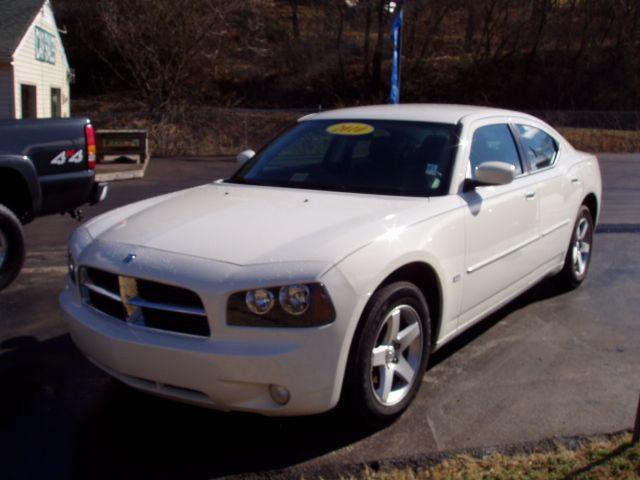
{"points": [[230, 370]]}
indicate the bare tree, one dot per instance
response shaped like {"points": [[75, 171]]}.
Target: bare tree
{"points": [[376, 67], [435, 13], [160, 43], [471, 24], [367, 40], [294, 19]]}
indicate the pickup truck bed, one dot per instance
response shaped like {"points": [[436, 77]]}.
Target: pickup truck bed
{"points": [[46, 166]]}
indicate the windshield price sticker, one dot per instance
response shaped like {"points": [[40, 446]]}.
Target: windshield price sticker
{"points": [[350, 128]]}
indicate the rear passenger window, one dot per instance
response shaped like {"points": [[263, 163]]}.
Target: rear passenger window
{"points": [[494, 143], [540, 148]]}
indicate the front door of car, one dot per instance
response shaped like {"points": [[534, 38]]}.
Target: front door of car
{"points": [[501, 224]]}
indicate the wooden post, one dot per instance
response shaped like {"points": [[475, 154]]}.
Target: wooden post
{"points": [[636, 429]]}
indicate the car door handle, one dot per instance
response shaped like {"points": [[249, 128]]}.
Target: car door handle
{"points": [[575, 180], [530, 195]]}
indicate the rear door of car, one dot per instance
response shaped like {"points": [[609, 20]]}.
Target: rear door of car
{"points": [[542, 153], [501, 222]]}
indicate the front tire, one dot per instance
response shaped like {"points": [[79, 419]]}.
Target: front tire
{"points": [[12, 251], [389, 354], [578, 258]]}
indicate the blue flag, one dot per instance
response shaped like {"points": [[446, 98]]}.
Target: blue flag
{"points": [[397, 53]]}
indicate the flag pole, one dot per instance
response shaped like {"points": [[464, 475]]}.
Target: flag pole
{"points": [[396, 67]]}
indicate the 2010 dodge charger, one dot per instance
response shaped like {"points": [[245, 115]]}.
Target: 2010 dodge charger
{"points": [[334, 261]]}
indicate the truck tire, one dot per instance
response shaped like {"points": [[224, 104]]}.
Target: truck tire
{"points": [[12, 250]]}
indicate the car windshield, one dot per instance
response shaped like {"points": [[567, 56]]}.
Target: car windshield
{"points": [[363, 156]]}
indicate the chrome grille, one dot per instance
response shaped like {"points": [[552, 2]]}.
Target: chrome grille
{"points": [[144, 302]]}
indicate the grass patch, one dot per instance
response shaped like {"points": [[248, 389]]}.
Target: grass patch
{"points": [[602, 460], [602, 140]]}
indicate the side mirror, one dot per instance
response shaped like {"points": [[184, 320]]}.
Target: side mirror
{"points": [[495, 173], [245, 156]]}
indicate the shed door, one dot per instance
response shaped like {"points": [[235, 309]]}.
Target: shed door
{"points": [[56, 104], [28, 101]]}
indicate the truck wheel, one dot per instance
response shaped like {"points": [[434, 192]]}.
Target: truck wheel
{"points": [[11, 246], [389, 354]]}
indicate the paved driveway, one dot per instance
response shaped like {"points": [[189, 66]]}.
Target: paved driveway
{"points": [[548, 364]]}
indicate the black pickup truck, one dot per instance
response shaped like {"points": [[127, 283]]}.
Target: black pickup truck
{"points": [[46, 166]]}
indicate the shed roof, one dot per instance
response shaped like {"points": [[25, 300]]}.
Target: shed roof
{"points": [[15, 18]]}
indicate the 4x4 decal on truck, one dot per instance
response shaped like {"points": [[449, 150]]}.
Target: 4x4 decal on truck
{"points": [[71, 156]]}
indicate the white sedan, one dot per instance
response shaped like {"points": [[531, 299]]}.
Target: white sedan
{"points": [[334, 261]]}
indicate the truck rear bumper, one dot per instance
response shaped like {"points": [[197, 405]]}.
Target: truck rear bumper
{"points": [[99, 192], [68, 191]]}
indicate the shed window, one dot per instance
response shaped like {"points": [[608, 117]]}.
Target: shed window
{"points": [[28, 101]]}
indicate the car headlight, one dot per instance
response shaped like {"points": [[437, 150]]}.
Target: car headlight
{"points": [[259, 301], [295, 299], [298, 305]]}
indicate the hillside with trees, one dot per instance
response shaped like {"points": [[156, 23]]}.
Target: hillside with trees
{"points": [[530, 54]]}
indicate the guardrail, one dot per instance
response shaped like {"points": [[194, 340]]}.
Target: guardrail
{"points": [[122, 143]]}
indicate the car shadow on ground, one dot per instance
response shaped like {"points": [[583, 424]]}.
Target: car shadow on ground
{"points": [[61, 417], [545, 290]]}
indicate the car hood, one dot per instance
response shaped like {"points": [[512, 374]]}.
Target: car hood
{"points": [[245, 225]]}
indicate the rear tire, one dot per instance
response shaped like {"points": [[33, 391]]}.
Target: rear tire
{"points": [[388, 355], [578, 258], [12, 251]]}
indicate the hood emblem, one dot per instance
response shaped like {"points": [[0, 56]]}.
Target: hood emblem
{"points": [[129, 258]]}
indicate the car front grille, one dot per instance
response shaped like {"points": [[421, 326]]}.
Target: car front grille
{"points": [[144, 302]]}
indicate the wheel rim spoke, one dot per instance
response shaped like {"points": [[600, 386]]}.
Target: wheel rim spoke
{"points": [[386, 382], [378, 356], [580, 264], [583, 226], [393, 326], [584, 247], [408, 335], [405, 370]]}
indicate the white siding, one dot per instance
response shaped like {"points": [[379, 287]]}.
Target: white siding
{"points": [[6, 92], [27, 70]]}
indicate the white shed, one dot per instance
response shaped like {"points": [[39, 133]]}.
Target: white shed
{"points": [[34, 72]]}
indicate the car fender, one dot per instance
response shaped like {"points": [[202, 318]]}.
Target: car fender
{"points": [[585, 173], [437, 242]]}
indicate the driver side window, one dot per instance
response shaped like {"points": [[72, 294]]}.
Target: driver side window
{"points": [[494, 143]]}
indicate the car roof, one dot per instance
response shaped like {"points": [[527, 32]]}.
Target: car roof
{"points": [[421, 112]]}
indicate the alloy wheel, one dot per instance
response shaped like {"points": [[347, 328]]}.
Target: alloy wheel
{"points": [[582, 247], [396, 356]]}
